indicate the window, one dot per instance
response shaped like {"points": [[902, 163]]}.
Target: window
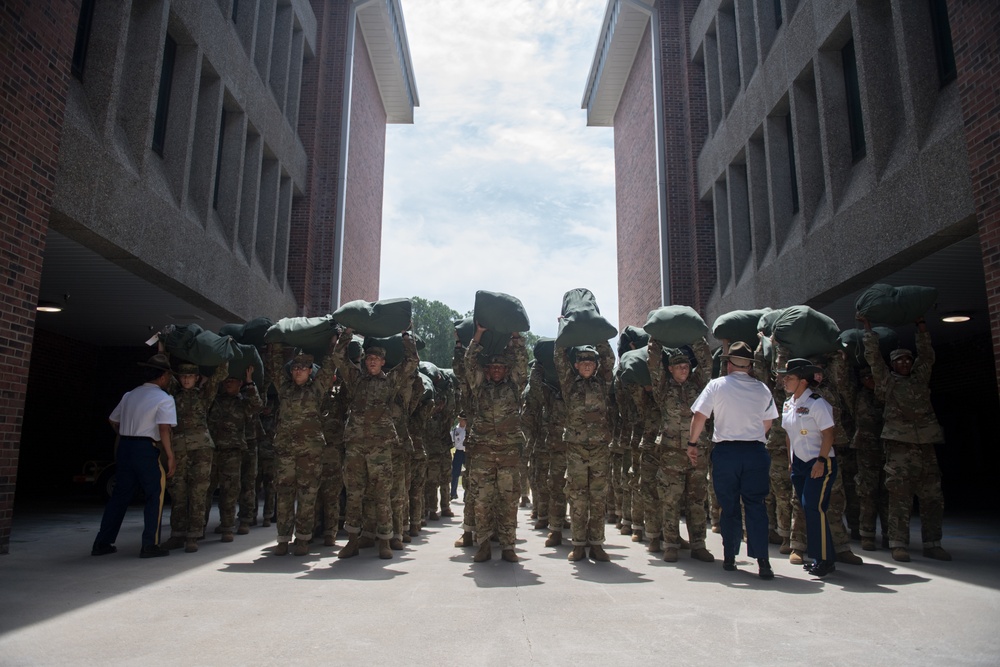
{"points": [[163, 97], [236, 9], [777, 14], [218, 161], [791, 165], [943, 48], [82, 38], [855, 121]]}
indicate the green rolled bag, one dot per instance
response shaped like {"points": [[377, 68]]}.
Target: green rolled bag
{"points": [[765, 324], [248, 356], [192, 344], [428, 388], [308, 333], [494, 343], [249, 333], [581, 322], [895, 306], [717, 362], [543, 352], [739, 325], [852, 340], [500, 312], [631, 338], [379, 319], [633, 367], [675, 326], [806, 332], [393, 346], [433, 372]]}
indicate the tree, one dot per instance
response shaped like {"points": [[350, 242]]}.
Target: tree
{"points": [[434, 322]]}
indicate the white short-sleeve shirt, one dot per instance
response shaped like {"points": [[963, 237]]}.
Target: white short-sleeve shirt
{"points": [[458, 438], [804, 419], [740, 405], [142, 410]]}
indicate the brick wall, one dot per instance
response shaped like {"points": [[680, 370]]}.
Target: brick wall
{"points": [[36, 48], [365, 176], [639, 287], [975, 25]]}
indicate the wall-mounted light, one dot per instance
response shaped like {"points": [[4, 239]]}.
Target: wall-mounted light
{"points": [[956, 317], [49, 307]]}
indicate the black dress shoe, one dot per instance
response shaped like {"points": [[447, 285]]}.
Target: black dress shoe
{"points": [[103, 549], [153, 551], [764, 570], [822, 568], [729, 564]]}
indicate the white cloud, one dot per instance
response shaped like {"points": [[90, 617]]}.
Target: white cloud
{"points": [[499, 184]]}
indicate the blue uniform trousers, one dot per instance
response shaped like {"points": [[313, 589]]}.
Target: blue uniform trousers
{"points": [[137, 464], [740, 470], [814, 497]]}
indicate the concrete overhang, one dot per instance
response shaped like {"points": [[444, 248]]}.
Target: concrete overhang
{"points": [[623, 27], [382, 25]]}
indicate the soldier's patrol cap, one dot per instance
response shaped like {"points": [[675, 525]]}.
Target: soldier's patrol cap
{"points": [[497, 360], [900, 352], [376, 351], [586, 353], [802, 368], [188, 369], [302, 359], [677, 357]]}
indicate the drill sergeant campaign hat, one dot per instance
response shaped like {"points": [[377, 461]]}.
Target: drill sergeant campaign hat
{"points": [[159, 361], [802, 368], [740, 355]]}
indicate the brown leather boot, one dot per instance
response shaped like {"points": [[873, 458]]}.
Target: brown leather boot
{"points": [[191, 546], [350, 549], [555, 539], [384, 550], [484, 554], [637, 535], [414, 529], [396, 544], [301, 548], [655, 546], [175, 542], [281, 549], [365, 542], [509, 555], [578, 553], [598, 553], [464, 541], [244, 529], [227, 537], [406, 538], [702, 554], [329, 540], [670, 555], [541, 524]]}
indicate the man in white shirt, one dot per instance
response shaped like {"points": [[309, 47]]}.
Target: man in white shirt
{"points": [[743, 409], [142, 420]]}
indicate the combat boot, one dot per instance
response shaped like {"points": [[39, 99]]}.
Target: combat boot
{"points": [[191, 546], [329, 540], [350, 549], [266, 523], [281, 549], [447, 512], [301, 548], [433, 516], [655, 546], [849, 557], [670, 555], [900, 554], [173, 543], [541, 524], [484, 554], [244, 529], [637, 535], [365, 542], [795, 558], [227, 537], [414, 529], [598, 554], [937, 553], [626, 529], [509, 555], [406, 538], [578, 553], [786, 546], [702, 554], [384, 550], [396, 544], [684, 544], [524, 501], [773, 537], [465, 540], [868, 543], [555, 539]]}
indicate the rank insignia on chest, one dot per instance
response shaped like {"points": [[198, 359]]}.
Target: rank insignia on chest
{"points": [[802, 411]]}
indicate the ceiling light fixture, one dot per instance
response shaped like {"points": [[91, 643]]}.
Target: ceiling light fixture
{"points": [[48, 307], [956, 317]]}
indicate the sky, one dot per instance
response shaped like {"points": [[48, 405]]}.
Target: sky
{"points": [[499, 184]]}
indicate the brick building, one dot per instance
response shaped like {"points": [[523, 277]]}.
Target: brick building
{"points": [[779, 152], [199, 161]]}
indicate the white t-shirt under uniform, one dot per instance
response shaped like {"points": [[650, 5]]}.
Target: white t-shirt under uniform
{"points": [[740, 404], [458, 437], [804, 419]]}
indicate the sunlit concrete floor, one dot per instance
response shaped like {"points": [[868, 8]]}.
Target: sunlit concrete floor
{"points": [[237, 604]]}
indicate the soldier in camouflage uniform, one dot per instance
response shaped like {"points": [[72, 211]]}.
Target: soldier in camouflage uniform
{"points": [[401, 460], [420, 412], [466, 405], [533, 418], [193, 452], [682, 486], [871, 460], [438, 445], [496, 441], [332, 478], [780, 502], [585, 387], [370, 435], [248, 477], [910, 430], [228, 421], [266, 464], [646, 465], [631, 431], [299, 443]]}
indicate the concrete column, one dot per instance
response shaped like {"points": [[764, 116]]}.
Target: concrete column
{"points": [[253, 153], [806, 137], [739, 218], [105, 59], [281, 231], [746, 33]]}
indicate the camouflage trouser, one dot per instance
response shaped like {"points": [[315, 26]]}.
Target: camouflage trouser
{"points": [[470, 496], [226, 476], [445, 480], [399, 496], [557, 487], [617, 481], [438, 483], [780, 498], [634, 477], [715, 510], [649, 465], [188, 492], [297, 484], [331, 482], [835, 515], [248, 485], [417, 482], [847, 460], [682, 490], [912, 470], [495, 474], [524, 483], [587, 491], [267, 468], [872, 496], [539, 469], [626, 507], [368, 464]]}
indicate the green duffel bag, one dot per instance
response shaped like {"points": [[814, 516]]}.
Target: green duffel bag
{"points": [[852, 340], [248, 356], [179, 336], [634, 367], [543, 352], [433, 372], [251, 333], [500, 312], [675, 326], [631, 338], [310, 333], [739, 325], [717, 362], [806, 332], [493, 342], [895, 306], [581, 322], [206, 348], [235, 331], [393, 346], [428, 388], [379, 319], [765, 324]]}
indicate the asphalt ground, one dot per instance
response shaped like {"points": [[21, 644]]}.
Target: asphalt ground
{"points": [[238, 604]]}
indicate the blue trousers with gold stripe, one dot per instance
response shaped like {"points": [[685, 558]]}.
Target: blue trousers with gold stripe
{"points": [[814, 495], [137, 466]]}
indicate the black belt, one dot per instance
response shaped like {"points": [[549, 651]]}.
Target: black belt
{"points": [[135, 438], [740, 442]]}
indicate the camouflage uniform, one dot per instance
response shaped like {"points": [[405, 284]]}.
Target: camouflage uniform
{"points": [[193, 451], [417, 427], [401, 459], [466, 404], [779, 501], [533, 418], [871, 463], [228, 421], [298, 444], [495, 442], [331, 482], [266, 466], [910, 430], [558, 463], [631, 430], [437, 489], [647, 466], [248, 475], [682, 487], [587, 435], [615, 472], [370, 434]]}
